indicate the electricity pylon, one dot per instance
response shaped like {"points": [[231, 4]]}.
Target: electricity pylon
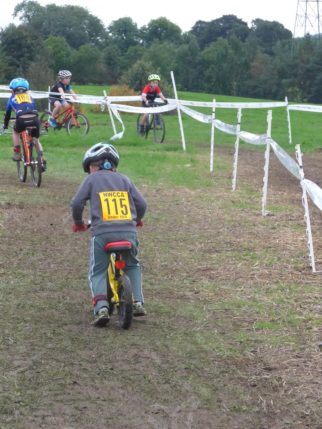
{"points": [[308, 18]]}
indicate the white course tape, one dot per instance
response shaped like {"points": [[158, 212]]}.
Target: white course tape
{"points": [[285, 159], [253, 138], [305, 108], [314, 191]]}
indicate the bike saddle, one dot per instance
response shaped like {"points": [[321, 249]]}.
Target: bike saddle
{"points": [[115, 246]]}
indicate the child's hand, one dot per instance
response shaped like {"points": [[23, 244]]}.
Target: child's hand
{"points": [[139, 223], [79, 228]]}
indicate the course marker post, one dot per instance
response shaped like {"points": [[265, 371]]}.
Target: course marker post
{"points": [[306, 210], [234, 181], [266, 167], [212, 137], [179, 111], [107, 102]]}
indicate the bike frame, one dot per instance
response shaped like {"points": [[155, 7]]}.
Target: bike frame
{"points": [[63, 117], [28, 160], [26, 141], [116, 265], [114, 272]]}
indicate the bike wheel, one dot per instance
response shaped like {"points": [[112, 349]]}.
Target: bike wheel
{"points": [[35, 168], [111, 304], [125, 308], [21, 167], [78, 125], [158, 128], [138, 120], [149, 124]]}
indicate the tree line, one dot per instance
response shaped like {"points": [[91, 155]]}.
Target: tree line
{"points": [[222, 56]]}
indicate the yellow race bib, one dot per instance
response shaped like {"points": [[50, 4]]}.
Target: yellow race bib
{"points": [[23, 98], [115, 205]]}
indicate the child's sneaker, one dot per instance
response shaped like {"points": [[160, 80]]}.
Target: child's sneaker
{"points": [[138, 309], [52, 122], [101, 317]]}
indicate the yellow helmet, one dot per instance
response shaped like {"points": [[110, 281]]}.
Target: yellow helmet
{"points": [[153, 77]]}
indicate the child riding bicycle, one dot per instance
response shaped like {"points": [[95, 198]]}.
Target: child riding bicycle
{"points": [[57, 94], [149, 93], [116, 208], [25, 109]]}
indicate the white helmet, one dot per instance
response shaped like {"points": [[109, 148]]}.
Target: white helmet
{"points": [[101, 152], [62, 74]]}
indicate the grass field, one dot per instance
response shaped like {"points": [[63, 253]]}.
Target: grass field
{"points": [[232, 336]]}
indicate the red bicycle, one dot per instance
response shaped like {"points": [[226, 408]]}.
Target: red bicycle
{"points": [[29, 158], [74, 122]]}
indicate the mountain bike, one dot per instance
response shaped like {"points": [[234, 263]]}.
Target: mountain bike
{"points": [[119, 288], [154, 125], [29, 158], [74, 122]]}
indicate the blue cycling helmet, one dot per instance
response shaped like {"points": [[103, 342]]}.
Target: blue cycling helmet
{"points": [[19, 84]]}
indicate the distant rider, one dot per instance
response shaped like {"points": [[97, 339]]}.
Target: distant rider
{"points": [[25, 109], [57, 95], [149, 93]]}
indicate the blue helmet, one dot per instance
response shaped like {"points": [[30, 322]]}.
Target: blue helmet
{"points": [[19, 84]]}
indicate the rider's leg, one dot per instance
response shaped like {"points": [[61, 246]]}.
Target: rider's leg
{"points": [[143, 121], [97, 273], [16, 146], [56, 109], [40, 153]]}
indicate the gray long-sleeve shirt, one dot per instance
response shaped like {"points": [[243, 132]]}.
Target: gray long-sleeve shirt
{"points": [[115, 202]]}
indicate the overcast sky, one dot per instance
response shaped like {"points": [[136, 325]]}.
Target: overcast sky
{"points": [[183, 13]]}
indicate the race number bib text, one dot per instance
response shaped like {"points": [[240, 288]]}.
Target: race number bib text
{"points": [[23, 98], [115, 205]]}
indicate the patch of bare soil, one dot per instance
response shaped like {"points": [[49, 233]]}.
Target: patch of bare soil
{"points": [[231, 339]]}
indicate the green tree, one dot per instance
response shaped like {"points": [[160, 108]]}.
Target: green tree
{"points": [[268, 33], [263, 80], [40, 76], [114, 64], [20, 45], [161, 30], [88, 66], [224, 27], [187, 67], [224, 67], [135, 77], [74, 23], [124, 33], [59, 53], [5, 72], [162, 56]]}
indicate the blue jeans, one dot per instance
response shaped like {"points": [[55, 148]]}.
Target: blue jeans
{"points": [[99, 262]]}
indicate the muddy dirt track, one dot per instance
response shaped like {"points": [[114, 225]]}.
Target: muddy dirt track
{"points": [[231, 338]]}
